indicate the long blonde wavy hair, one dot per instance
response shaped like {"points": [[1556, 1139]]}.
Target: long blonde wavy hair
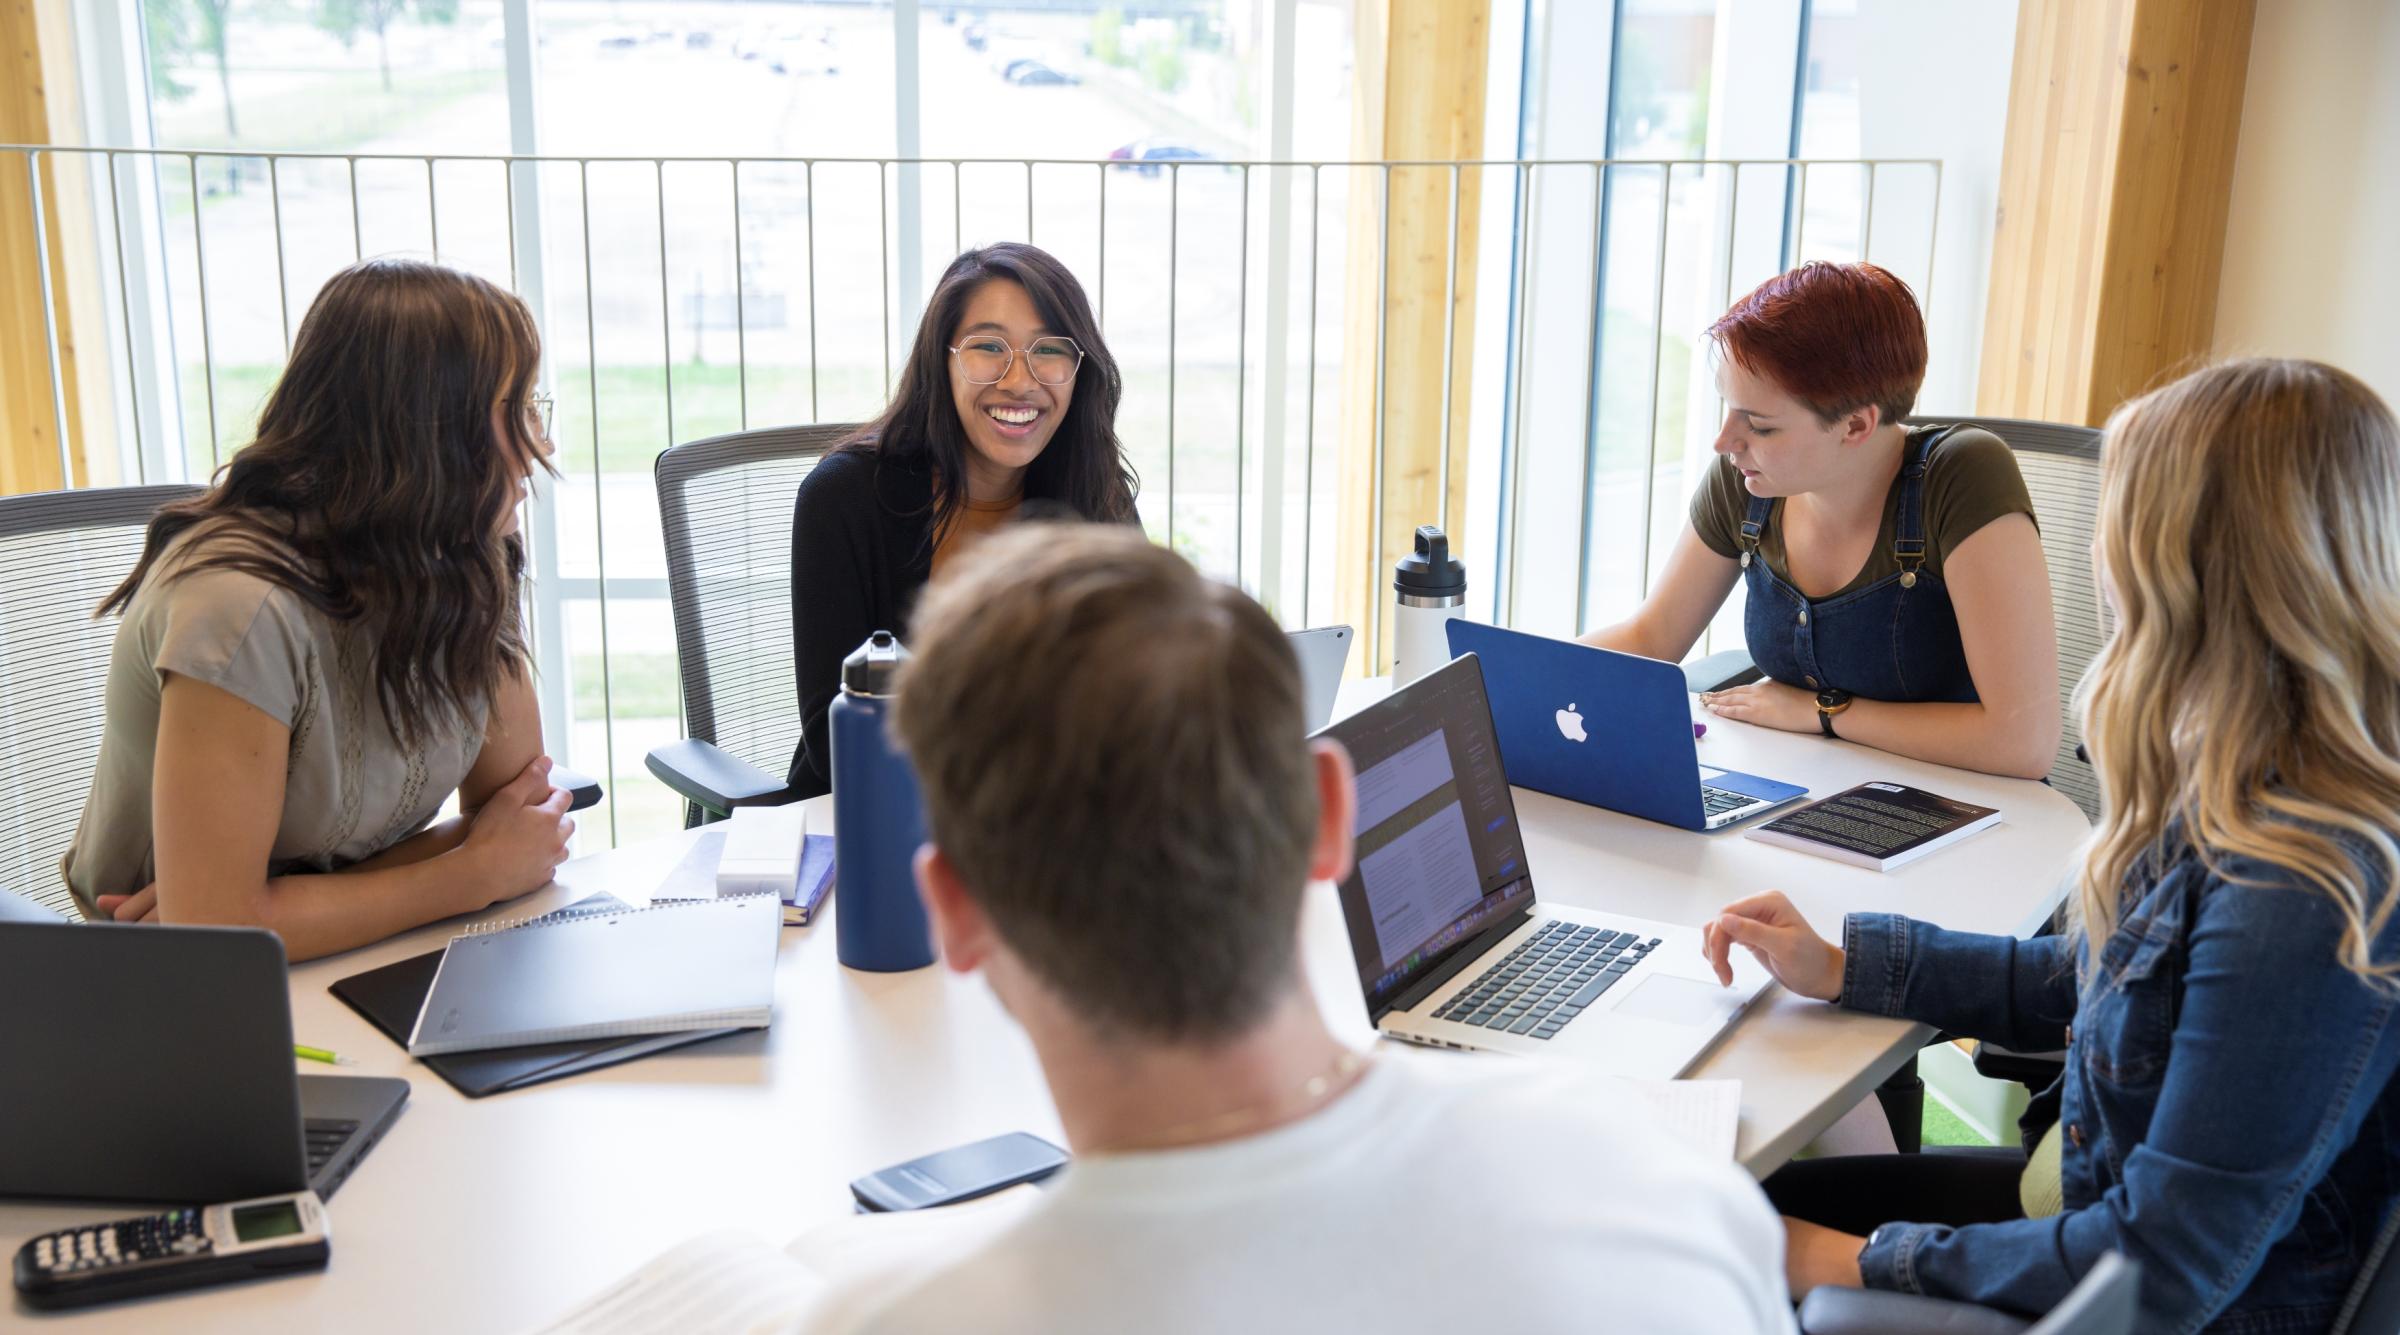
{"points": [[2249, 538]]}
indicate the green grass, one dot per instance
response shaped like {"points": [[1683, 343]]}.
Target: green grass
{"points": [[1943, 1127], [342, 110], [639, 685], [632, 414], [632, 402]]}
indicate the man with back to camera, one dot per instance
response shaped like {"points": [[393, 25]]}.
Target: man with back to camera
{"points": [[1122, 816]]}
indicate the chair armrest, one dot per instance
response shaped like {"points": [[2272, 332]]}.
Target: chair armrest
{"points": [[2037, 1069], [583, 789], [1838, 1311], [700, 772], [1717, 671]]}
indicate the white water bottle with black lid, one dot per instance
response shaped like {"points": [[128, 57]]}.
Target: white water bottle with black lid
{"points": [[1429, 587]]}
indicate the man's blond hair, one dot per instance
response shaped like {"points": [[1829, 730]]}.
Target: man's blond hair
{"points": [[1113, 755]]}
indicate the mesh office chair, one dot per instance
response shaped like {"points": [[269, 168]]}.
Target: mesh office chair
{"points": [[61, 552], [2061, 465], [725, 505], [2373, 1304], [2105, 1303]]}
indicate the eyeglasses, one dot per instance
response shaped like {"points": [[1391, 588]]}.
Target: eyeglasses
{"points": [[539, 410], [985, 359]]}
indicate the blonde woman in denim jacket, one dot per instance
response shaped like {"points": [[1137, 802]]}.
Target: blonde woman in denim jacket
{"points": [[2229, 991]]}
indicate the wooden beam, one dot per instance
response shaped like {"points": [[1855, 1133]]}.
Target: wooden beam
{"points": [[32, 49], [1419, 92], [2114, 186]]}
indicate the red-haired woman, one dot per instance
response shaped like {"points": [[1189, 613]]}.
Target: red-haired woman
{"points": [[1897, 592]]}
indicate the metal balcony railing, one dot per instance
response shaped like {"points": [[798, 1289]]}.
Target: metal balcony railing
{"points": [[684, 296]]}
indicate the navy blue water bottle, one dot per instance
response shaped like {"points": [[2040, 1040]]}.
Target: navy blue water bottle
{"points": [[878, 820]]}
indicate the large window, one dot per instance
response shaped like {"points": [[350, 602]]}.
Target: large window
{"points": [[741, 205], [683, 295], [1699, 107]]}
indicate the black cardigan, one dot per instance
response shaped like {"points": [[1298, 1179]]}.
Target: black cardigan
{"points": [[861, 553]]}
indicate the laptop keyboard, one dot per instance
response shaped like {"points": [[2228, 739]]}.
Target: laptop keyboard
{"points": [[325, 1137], [1548, 979], [1715, 802]]}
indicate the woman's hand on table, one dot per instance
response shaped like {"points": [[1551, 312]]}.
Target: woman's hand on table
{"points": [[1769, 704], [1780, 939]]}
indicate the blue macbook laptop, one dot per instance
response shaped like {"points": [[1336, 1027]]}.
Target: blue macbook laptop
{"points": [[1614, 730]]}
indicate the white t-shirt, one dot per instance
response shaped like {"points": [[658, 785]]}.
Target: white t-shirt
{"points": [[1435, 1196]]}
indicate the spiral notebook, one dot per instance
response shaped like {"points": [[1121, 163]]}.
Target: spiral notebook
{"points": [[666, 969]]}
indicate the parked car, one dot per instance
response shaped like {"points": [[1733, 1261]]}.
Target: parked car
{"points": [[975, 35], [1146, 155], [1033, 73]]}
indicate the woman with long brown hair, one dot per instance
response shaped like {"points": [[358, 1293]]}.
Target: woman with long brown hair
{"points": [[319, 650], [2228, 994]]}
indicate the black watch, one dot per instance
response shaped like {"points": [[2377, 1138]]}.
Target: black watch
{"points": [[1829, 703]]}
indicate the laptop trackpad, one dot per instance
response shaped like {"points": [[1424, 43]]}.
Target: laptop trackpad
{"points": [[1673, 1000]]}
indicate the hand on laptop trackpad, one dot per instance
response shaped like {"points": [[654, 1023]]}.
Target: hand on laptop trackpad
{"points": [[1675, 1000]]}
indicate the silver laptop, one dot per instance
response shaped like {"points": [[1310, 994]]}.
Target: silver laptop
{"points": [[158, 1065], [1323, 652], [1454, 949]]}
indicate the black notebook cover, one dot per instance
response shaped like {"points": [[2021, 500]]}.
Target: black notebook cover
{"points": [[391, 996]]}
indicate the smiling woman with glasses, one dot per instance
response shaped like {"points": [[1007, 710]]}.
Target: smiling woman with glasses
{"points": [[1008, 405]]}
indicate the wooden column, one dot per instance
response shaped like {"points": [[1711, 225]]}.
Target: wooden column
{"points": [[33, 49], [1419, 91], [2114, 186]]}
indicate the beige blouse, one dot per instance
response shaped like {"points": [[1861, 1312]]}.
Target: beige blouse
{"points": [[351, 789]]}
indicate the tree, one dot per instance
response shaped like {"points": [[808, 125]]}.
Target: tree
{"points": [[175, 28], [346, 19]]}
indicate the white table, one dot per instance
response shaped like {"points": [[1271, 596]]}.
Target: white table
{"points": [[498, 1213]]}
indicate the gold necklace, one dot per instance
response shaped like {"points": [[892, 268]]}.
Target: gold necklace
{"points": [[1236, 1121]]}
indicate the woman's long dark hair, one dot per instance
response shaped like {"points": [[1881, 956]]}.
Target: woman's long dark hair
{"points": [[376, 487], [1083, 467]]}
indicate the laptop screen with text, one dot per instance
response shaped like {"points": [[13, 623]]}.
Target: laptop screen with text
{"points": [[1439, 857]]}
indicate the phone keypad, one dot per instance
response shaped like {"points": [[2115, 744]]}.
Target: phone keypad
{"points": [[153, 1238]]}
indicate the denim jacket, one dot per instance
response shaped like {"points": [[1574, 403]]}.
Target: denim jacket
{"points": [[2231, 1119]]}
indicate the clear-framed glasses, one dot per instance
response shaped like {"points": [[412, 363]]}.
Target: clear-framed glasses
{"points": [[984, 359], [539, 410]]}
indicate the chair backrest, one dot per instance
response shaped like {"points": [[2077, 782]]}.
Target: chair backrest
{"points": [[725, 505], [2105, 1303], [61, 552], [2373, 1304], [2061, 465]]}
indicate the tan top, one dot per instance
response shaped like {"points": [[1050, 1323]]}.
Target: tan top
{"points": [[973, 520], [351, 789], [1971, 479]]}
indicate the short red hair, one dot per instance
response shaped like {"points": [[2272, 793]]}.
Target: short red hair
{"points": [[1837, 337]]}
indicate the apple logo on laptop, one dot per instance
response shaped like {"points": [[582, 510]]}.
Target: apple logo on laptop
{"points": [[1570, 723]]}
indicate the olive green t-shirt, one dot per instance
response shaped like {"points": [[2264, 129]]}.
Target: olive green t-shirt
{"points": [[351, 788], [1971, 479]]}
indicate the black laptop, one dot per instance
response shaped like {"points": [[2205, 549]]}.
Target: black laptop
{"points": [[154, 1064]]}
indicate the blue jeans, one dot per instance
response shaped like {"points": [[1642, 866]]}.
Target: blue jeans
{"points": [[1896, 639]]}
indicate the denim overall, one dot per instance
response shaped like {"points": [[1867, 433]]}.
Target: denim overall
{"points": [[1896, 639]]}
